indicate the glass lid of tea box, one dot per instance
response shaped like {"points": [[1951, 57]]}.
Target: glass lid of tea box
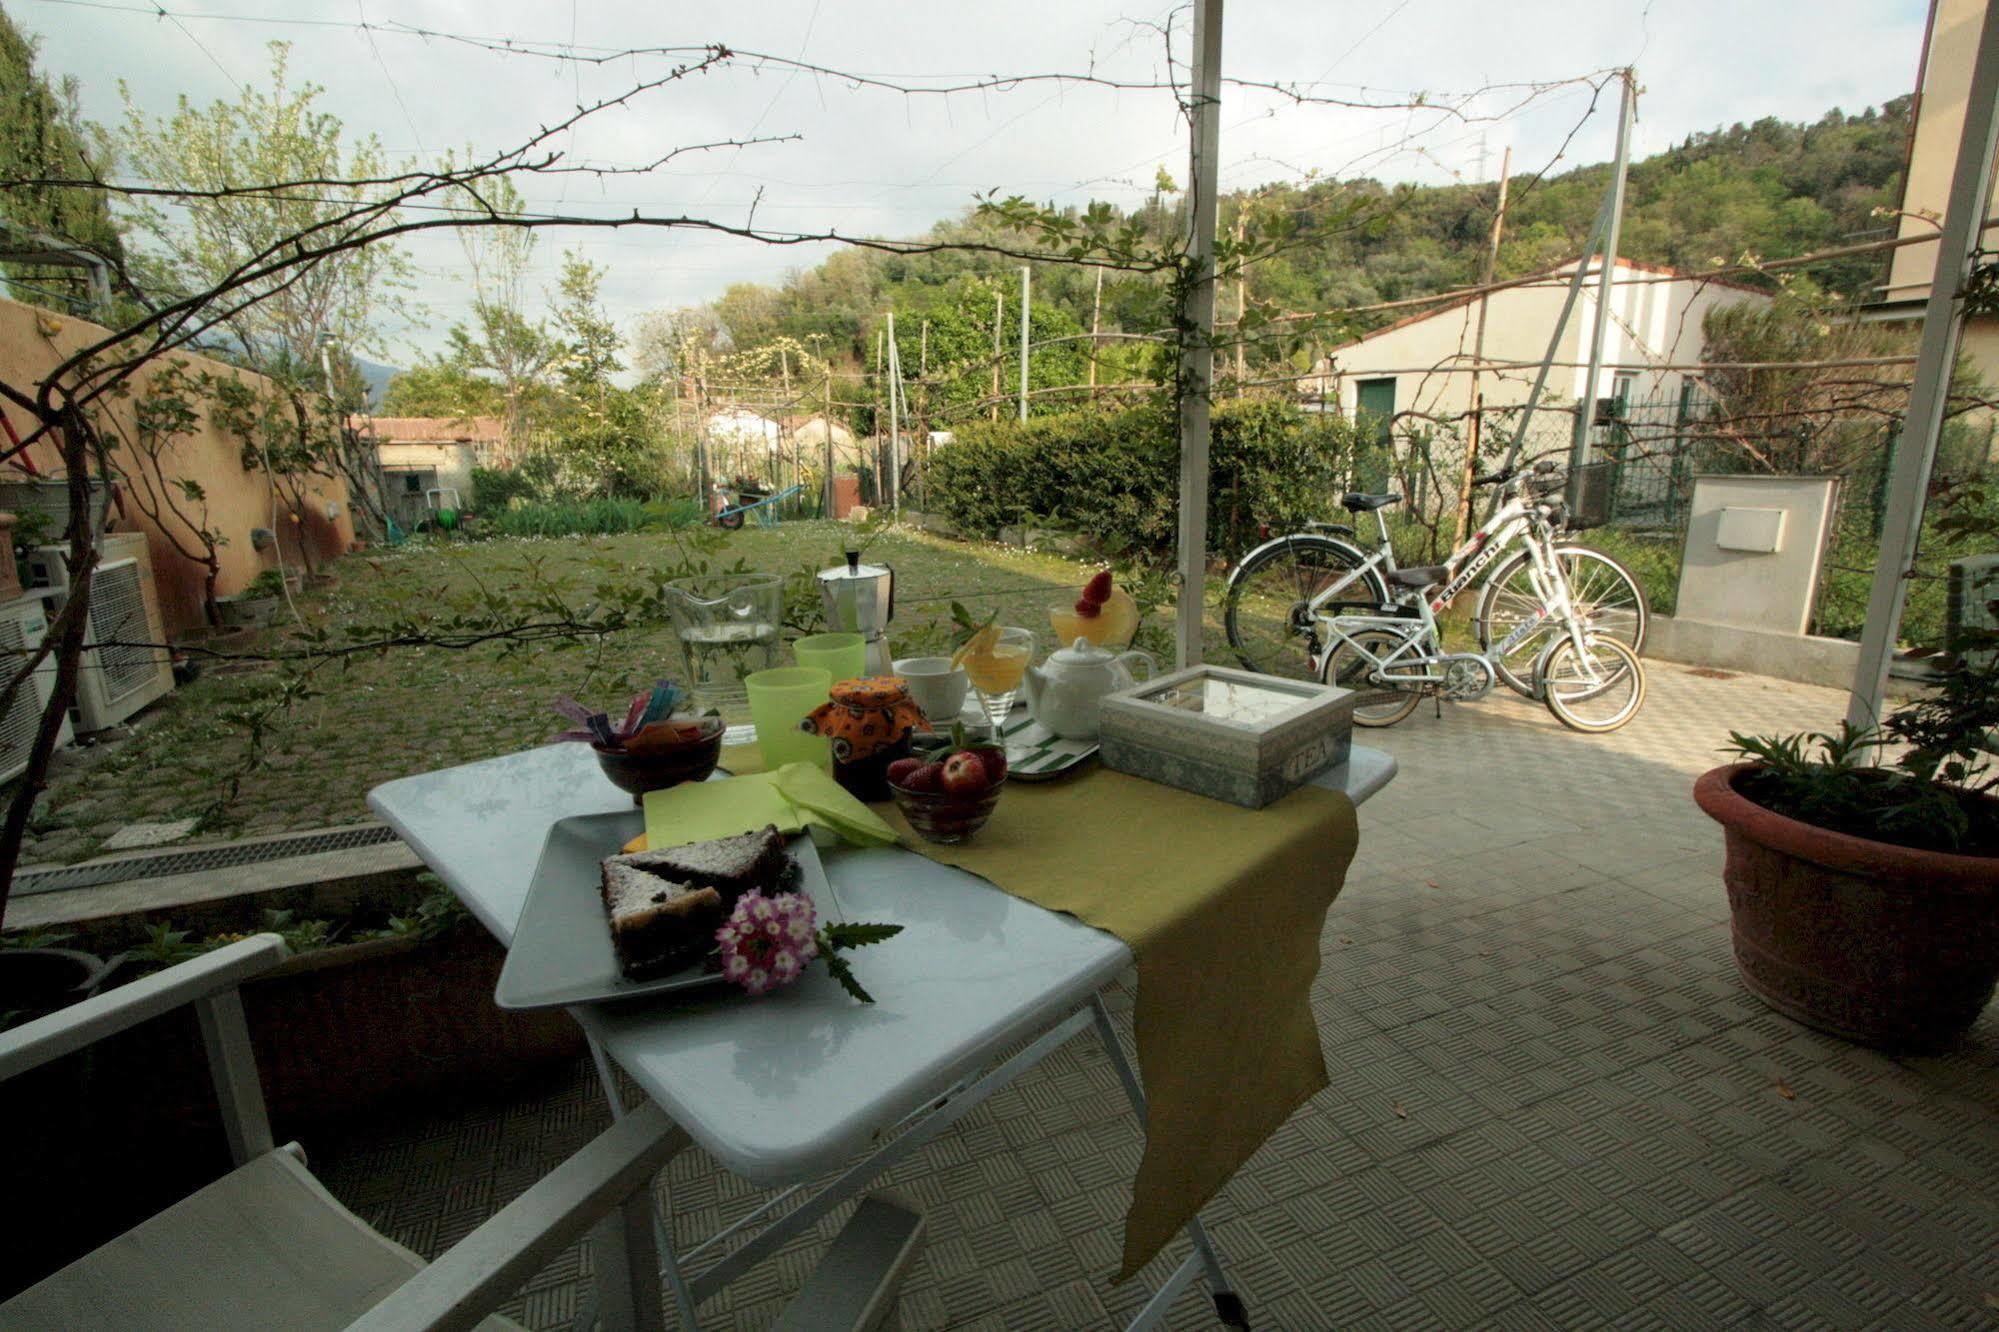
{"points": [[1228, 699]]}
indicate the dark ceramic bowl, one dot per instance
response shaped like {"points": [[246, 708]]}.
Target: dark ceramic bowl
{"points": [[660, 768], [940, 817]]}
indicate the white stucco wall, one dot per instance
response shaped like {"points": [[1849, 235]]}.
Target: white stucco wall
{"points": [[1653, 323]]}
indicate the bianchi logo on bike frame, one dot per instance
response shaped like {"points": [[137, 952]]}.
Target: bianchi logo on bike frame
{"points": [[1470, 571]]}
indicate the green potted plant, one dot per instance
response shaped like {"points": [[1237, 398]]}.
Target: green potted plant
{"points": [[257, 605], [1864, 894]]}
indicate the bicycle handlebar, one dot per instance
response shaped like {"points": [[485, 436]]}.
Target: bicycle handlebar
{"points": [[1542, 468]]}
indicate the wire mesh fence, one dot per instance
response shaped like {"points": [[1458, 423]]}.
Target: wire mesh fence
{"points": [[1639, 463]]}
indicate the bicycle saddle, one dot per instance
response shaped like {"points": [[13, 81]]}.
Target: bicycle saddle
{"points": [[1356, 502], [1421, 576]]}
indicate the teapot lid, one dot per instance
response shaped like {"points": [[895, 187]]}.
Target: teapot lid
{"points": [[1082, 652]]}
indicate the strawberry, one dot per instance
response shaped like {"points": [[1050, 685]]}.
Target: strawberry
{"points": [[964, 775], [898, 771], [995, 761], [927, 778], [1095, 593]]}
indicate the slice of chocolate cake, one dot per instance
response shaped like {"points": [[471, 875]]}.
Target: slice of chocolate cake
{"points": [[657, 925], [731, 866]]}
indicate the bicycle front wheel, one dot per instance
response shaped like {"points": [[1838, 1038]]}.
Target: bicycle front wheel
{"points": [[1606, 596], [1267, 613], [1347, 666], [1596, 689]]}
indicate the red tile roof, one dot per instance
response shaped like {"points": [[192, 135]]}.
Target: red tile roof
{"points": [[430, 429]]}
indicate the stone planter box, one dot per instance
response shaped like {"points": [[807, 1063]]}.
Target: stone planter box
{"points": [[248, 612]]}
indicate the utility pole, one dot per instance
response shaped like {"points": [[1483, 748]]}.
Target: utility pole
{"points": [[999, 317], [923, 353], [893, 472], [1627, 107], [828, 421], [701, 476], [879, 492], [1241, 295], [1026, 275], [1197, 312], [1476, 431], [1916, 448], [1096, 315]]}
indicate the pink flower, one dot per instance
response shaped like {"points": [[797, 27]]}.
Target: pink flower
{"points": [[767, 941]]}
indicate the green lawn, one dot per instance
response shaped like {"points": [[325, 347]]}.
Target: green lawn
{"points": [[408, 710]]}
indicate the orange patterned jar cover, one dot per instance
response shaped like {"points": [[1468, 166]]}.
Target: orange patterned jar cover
{"points": [[865, 716]]}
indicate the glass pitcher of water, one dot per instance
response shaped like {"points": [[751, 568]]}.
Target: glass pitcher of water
{"points": [[728, 629]]}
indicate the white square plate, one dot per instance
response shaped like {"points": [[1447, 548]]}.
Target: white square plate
{"points": [[562, 951]]}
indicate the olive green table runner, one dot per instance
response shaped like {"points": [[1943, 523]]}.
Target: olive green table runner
{"points": [[1223, 908]]}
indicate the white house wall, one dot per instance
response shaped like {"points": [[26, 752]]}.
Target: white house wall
{"points": [[1653, 323]]}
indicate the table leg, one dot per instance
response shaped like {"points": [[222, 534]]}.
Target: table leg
{"points": [[1228, 1305], [662, 1222]]}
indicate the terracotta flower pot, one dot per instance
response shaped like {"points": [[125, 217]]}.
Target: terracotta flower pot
{"points": [[1882, 944]]}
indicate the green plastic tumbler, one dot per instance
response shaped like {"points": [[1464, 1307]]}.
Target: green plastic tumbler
{"points": [[779, 700], [843, 656]]}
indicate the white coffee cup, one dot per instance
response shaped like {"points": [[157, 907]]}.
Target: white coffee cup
{"points": [[937, 687]]}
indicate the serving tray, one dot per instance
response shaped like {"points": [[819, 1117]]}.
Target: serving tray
{"points": [[562, 953], [1036, 754]]}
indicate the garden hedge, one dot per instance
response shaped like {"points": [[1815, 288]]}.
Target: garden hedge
{"points": [[1115, 475]]}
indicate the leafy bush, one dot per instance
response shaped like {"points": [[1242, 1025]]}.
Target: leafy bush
{"points": [[494, 489], [596, 517], [1116, 474], [268, 583]]}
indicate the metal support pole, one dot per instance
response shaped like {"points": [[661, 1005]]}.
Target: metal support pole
{"points": [[1586, 409], [1555, 340], [1475, 429], [828, 418], [1916, 449], [1197, 312], [1026, 277], [999, 318], [1096, 317], [892, 473]]}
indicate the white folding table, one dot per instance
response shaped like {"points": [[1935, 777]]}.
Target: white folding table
{"points": [[786, 1088]]}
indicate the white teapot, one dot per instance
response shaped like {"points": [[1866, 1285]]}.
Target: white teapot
{"points": [[1066, 692]]}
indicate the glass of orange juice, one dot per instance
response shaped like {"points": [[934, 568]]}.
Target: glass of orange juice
{"points": [[995, 659], [1111, 627]]}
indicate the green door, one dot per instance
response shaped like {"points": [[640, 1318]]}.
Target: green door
{"points": [[1374, 400]]}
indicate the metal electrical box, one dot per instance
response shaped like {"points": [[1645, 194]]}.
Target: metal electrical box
{"points": [[1755, 531], [1755, 548]]}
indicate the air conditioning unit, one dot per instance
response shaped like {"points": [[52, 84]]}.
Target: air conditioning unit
{"points": [[22, 626], [1971, 597], [117, 681]]}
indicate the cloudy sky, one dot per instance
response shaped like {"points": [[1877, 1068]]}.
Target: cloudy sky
{"points": [[878, 162]]}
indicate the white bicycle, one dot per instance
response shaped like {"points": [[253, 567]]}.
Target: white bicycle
{"points": [[1314, 600]]}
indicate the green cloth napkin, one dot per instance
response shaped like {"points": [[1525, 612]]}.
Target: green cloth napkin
{"points": [[796, 795], [821, 800]]}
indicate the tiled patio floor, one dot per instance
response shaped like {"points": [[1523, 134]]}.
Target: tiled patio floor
{"points": [[1551, 1103]]}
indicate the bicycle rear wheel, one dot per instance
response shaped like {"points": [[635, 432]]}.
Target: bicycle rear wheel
{"points": [[1266, 615], [1597, 689], [1381, 704], [1605, 593]]}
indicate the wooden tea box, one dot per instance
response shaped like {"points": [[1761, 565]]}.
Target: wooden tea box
{"points": [[1230, 734]]}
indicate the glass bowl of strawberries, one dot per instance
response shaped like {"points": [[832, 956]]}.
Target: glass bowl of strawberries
{"points": [[948, 791]]}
